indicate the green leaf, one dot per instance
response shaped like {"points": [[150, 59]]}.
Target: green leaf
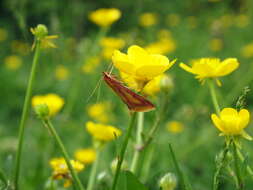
{"points": [[128, 181]]}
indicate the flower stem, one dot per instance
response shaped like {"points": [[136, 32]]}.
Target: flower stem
{"points": [[58, 140], [92, 177], [220, 163], [123, 150], [214, 96], [237, 168], [249, 169], [25, 111], [136, 157]]}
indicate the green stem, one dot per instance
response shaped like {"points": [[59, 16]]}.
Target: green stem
{"points": [[146, 163], [123, 150], [92, 177], [237, 168], [249, 169], [3, 178], [220, 163], [25, 111], [139, 143], [58, 140], [214, 97]]}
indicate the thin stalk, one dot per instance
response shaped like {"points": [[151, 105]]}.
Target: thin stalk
{"points": [[147, 162], [248, 168], [92, 177], [25, 111], [219, 166], [214, 96], [139, 143], [123, 150], [3, 178], [58, 140], [237, 168]]}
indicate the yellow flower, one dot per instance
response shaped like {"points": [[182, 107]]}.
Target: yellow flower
{"points": [[232, 122], [13, 62], [53, 101], [40, 32], [242, 21], [102, 132], [91, 64], [140, 65], [247, 50], [86, 156], [163, 46], [61, 171], [3, 34], [173, 19], [216, 44], [211, 68], [105, 17], [114, 43], [154, 86], [175, 126], [192, 22], [99, 112], [61, 72], [148, 19]]}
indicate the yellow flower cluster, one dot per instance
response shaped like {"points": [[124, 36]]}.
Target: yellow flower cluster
{"points": [[148, 19], [175, 126], [102, 132], [61, 72], [109, 44], [99, 111], [139, 65], [91, 64], [86, 156], [105, 17], [53, 102], [61, 171], [232, 122], [211, 68], [13, 62]]}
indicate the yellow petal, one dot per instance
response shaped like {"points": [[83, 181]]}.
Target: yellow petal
{"points": [[217, 122], [150, 71], [244, 116], [186, 68], [228, 112], [121, 62], [227, 66], [137, 55]]}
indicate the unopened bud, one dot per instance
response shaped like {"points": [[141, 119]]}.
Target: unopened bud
{"points": [[114, 163], [168, 182], [41, 110], [40, 31], [166, 83]]}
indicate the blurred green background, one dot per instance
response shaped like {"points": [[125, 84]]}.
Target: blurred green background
{"points": [[197, 28]]}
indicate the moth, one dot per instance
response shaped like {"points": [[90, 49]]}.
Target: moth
{"points": [[134, 101]]}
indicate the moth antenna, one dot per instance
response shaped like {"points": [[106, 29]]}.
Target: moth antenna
{"points": [[94, 90]]}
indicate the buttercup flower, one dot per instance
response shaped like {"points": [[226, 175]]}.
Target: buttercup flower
{"points": [[110, 44], [61, 171], [41, 34], [61, 72], [232, 122], [86, 156], [175, 126], [102, 132], [13, 62], [105, 17], [163, 46], [140, 65], [99, 111], [148, 19], [53, 101], [211, 68]]}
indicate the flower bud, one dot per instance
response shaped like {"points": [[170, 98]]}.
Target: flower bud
{"points": [[168, 182], [40, 31], [114, 163], [41, 110], [166, 83]]}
